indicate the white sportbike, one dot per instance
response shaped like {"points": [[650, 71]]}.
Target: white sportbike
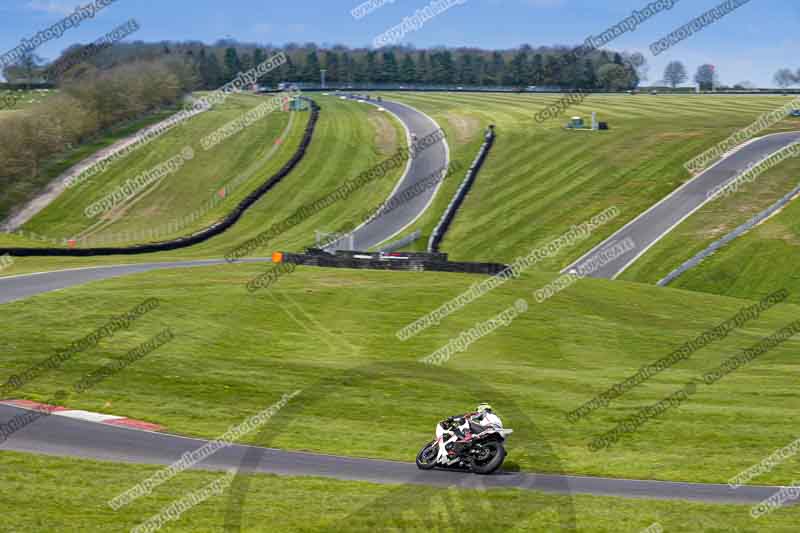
{"points": [[479, 450]]}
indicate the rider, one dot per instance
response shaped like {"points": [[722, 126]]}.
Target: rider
{"points": [[483, 416]]}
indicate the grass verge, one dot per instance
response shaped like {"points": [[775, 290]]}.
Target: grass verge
{"points": [[235, 353], [290, 504]]}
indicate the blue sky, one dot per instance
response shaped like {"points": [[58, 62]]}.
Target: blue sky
{"points": [[749, 44]]}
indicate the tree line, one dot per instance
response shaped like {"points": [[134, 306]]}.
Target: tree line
{"points": [[787, 77], [676, 74], [706, 77], [217, 64]]}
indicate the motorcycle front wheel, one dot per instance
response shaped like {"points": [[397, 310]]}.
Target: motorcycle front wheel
{"points": [[426, 458], [492, 458]]}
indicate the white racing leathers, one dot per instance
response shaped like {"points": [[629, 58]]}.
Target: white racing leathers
{"points": [[445, 437]]}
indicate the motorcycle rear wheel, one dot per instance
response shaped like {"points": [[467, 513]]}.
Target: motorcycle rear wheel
{"points": [[426, 458], [495, 462]]}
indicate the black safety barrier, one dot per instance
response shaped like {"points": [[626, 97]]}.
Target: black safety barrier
{"points": [[201, 236], [409, 262], [26, 86], [450, 213]]}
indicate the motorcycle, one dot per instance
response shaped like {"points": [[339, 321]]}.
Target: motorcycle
{"points": [[480, 451]]}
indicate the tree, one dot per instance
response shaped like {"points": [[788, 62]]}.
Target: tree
{"points": [[706, 77], [311, 72], [332, 66], [408, 70], [552, 71], [745, 86], [259, 57], [571, 72], [480, 70], [785, 78], [29, 65], [423, 67], [348, 68], [232, 64], [371, 67], [586, 75], [246, 62], [675, 74], [495, 69], [443, 70], [290, 69], [467, 74], [613, 77], [389, 71], [210, 70], [519, 68], [638, 62], [537, 69]]}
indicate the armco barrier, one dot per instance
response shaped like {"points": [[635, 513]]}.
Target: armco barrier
{"points": [[738, 232], [408, 262], [198, 237], [450, 213], [402, 243]]}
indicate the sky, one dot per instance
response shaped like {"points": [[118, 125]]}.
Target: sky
{"points": [[750, 44]]}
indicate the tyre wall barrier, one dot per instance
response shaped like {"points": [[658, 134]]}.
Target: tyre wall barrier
{"points": [[450, 213], [738, 232], [201, 236], [402, 262], [424, 256]]}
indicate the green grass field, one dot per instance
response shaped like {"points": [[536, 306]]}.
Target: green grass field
{"points": [[58, 164], [350, 138], [553, 183], [765, 259], [238, 163], [289, 504], [19, 100], [331, 333], [715, 220], [236, 353], [540, 179]]}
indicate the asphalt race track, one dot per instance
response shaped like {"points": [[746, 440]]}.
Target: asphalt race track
{"points": [[61, 436], [649, 227], [427, 162], [26, 285]]}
